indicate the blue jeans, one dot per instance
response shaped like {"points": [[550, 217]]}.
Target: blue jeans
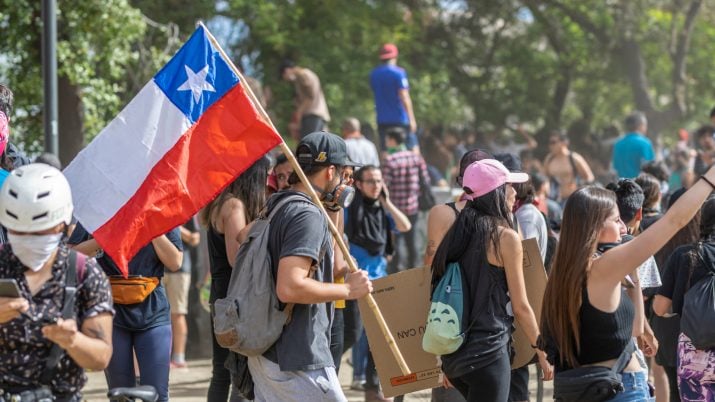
{"points": [[153, 350], [360, 357], [636, 388]]}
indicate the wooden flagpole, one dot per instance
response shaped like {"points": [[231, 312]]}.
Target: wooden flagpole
{"points": [[314, 196]]}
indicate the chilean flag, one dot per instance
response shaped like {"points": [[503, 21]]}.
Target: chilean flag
{"points": [[186, 135]]}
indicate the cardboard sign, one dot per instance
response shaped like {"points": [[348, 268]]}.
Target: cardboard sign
{"points": [[404, 300], [535, 280]]}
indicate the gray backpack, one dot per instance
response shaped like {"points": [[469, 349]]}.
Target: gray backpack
{"points": [[249, 320]]}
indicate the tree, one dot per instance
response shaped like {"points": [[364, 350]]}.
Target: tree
{"points": [[94, 41], [624, 31], [341, 47]]}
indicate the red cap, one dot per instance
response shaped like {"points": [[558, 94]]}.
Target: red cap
{"points": [[683, 134], [388, 51]]}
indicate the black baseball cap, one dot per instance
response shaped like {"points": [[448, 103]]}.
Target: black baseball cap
{"points": [[467, 159], [322, 148]]}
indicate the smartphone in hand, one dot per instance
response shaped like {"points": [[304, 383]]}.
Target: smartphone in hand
{"points": [[9, 288]]}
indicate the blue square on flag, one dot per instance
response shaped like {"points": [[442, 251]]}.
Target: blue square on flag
{"points": [[196, 77]]}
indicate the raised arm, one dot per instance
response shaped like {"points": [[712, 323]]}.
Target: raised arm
{"points": [[402, 223], [614, 265], [530, 141]]}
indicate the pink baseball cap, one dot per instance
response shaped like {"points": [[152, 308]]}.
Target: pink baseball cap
{"points": [[487, 175], [388, 51]]}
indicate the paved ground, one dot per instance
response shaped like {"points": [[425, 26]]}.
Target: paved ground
{"points": [[191, 385]]}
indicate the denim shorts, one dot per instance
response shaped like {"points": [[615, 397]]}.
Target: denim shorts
{"points": [[636, 388]]}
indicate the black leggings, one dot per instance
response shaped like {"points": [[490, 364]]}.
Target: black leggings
{"points": [[489, 383], [672, 373]]}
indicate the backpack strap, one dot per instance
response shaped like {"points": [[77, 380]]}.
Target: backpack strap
{"points": [[285, 200], [74, 275]]}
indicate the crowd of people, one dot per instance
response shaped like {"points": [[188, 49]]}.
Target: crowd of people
{"points": [[623, 248]]}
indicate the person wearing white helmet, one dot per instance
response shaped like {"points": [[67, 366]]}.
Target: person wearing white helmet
{"points": [[61, 323]]}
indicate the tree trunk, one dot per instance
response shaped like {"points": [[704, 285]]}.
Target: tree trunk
{"points": [[71, 119], [552, 120]]}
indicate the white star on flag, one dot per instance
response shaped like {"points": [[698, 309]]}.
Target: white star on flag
{"points": [[196, 82]]}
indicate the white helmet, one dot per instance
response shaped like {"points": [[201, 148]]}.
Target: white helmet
{"points": [[35, 197]]}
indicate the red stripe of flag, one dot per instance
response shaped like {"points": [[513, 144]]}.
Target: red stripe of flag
{"points": [[226, 140]]}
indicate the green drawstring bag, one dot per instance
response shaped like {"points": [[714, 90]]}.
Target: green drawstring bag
{"points": [[444, 333]]}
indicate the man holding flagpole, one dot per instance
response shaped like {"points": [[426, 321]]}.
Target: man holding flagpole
{"points": [[299, 366], [188, 133]]}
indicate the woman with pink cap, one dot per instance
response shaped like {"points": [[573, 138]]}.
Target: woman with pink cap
{"points": [[488, 249]]}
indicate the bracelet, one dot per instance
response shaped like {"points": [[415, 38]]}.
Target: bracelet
{"points": [[705, 179], [333, 208], [539, 343]]}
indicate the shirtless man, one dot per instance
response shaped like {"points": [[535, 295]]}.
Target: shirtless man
{"points": [[568, 168]]}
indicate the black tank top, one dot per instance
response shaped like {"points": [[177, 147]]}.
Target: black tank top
{"points": [[604, 335], [489, 315], [218, 262]]}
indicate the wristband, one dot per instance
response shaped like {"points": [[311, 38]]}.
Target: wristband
{"points": [[332, 208]]}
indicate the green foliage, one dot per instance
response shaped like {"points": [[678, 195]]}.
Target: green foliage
{"points": [[339, 40], [94, 47], [470, 62]]}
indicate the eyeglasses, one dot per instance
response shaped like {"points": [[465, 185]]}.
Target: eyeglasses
{"points": [[372, 182]]}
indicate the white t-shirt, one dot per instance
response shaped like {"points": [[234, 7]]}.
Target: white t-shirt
{"points": [[648, 274], [533, 225], [362, 151]]}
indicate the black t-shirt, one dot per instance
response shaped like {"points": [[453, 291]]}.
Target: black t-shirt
{"points": [[677, 279], [154, 310], [487, 316], [300, 229], [649, 220]]}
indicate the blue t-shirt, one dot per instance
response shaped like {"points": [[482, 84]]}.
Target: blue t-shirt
{"points": [[154, 310], [386, 81], [629, 153]]}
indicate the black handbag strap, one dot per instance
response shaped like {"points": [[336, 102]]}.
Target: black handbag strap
{"points": [[624, 358], [67, 312]]}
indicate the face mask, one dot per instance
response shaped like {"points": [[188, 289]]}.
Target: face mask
{"points": [[342, 195], [34, 251]]}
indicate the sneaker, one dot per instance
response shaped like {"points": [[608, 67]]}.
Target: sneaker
{"points": [[358, 385], [374, 395]]}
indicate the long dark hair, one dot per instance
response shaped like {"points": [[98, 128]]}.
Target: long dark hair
{"points": [[249, 187], [478, 222], [584, 214], [707, 232]]}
